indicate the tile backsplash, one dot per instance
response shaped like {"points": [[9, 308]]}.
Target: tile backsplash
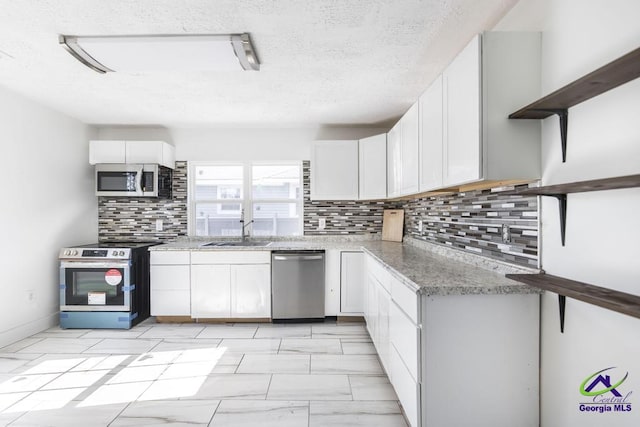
{"points": [[134, 218], [342, 217], [473, 221]]}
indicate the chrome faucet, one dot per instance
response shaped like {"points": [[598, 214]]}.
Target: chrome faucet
{"points": [[244, 226]]}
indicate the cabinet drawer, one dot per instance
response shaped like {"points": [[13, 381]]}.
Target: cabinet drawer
{"points": [[405, 386], [404, 337], [406, 298], [231, 257], [170, 257], [170, 303], [164, 277]]}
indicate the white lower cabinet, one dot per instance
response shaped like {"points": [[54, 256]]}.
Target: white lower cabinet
{"points": [[352, 283], [251, 291], [384, 338], [406, 388], [210, 291], [442, 349], [170, 283], [405, 337], [231, 284]]}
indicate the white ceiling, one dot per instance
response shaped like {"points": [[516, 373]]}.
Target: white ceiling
{"points": [[323, 62]]}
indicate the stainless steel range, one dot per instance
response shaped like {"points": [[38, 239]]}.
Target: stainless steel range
{"points": [[104, 285]]}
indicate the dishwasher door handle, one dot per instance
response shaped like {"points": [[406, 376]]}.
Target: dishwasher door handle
{"points": [[297, 257]]}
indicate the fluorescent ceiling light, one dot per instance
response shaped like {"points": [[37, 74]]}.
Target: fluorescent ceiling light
{"points": [[141, 54]]}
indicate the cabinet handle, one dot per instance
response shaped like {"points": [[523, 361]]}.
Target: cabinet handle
{"points": [[297, 258]]}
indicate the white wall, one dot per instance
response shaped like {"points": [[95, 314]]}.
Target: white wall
{"points": [[239, 143], [47, 203], [603, 230]]}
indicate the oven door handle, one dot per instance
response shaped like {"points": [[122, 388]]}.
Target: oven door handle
{"points": [[76, 264]]}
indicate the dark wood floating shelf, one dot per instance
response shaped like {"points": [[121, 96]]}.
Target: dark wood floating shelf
{"points": [[617, 301], [612, 75], [560, 191]]}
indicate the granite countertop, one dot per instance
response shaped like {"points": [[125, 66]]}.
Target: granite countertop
{"points": [[431, 273], [426, 268]]}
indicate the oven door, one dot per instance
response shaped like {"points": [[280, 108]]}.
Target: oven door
{"points": [[95, 286]]}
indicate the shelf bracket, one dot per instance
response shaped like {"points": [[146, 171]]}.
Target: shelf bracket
{"points": [[562, 208], [562, 301], [563, 115]]}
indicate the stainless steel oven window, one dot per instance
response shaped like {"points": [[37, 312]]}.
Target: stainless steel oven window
{"points": [[87, 287]]}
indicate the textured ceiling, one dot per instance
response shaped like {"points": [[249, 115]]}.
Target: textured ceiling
{"points": [[323, 62]]}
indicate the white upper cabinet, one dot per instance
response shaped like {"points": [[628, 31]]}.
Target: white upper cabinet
{"points": [[409, 151], [334, 170], [151, 152], [462, 154], [394, 161], [107, 152], [430, 139], [373, 167], [494, 75], [155, 152]]}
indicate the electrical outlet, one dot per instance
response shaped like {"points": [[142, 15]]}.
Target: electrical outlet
{"points": [[506, 233], [159, 225], [30, 295], [322, 223], [420, 226]]}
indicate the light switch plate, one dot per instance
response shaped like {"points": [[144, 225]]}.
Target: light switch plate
{"points": [[159, 225], [420, 226], [322, 223]]}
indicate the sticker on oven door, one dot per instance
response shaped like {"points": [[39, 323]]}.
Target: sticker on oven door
{"points": [[96, 298], [113, 277]]}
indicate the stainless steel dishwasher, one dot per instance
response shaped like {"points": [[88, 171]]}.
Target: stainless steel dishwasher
{"points": [[297, 285]]}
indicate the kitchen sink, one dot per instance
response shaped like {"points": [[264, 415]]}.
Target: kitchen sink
{"points": [[234, 243]]}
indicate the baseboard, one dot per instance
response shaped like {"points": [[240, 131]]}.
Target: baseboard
{"points": [[174, 319], [359, 319], [25, 330]]}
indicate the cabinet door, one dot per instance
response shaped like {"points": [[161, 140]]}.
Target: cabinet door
{"points": [[430, 139], [251, 291], [373, 167], [405, 386], [404, 338], [106, 152], [384, 339], [409, 148], [170, 290], [394, 160], [144, 152], [463, 115], [372, 309], [334, 170], [210, 291], [331, 282], [352, 282]]}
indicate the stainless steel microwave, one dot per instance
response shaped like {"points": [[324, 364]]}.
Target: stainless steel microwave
{"points": [[133, 180]]}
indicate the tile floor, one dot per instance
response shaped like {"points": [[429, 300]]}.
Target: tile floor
{"points": [[321, 374]]}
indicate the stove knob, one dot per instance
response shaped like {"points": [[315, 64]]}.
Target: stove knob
{"points": [[74, 252], [121, 253], [115, 253], [67, 252]]}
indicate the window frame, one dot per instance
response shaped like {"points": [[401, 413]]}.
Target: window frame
{"points": [[247, 201]]}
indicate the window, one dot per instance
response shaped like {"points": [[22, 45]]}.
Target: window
{"points": [[270, 194]]}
